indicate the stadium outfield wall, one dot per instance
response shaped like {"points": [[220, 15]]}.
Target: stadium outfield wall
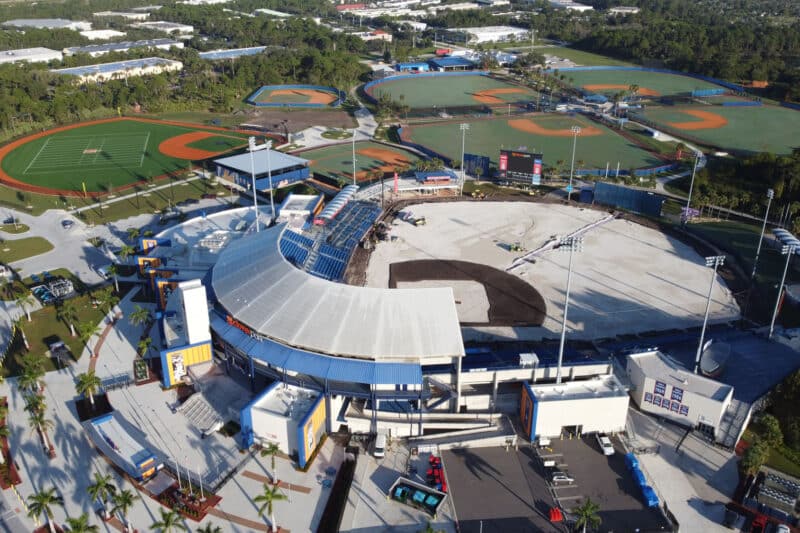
{"points": [[709, 79], [253, 98]]}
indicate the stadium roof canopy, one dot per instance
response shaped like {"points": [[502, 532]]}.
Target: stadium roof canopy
{"points": [[262, 290], [277, 161], [451, 62]]}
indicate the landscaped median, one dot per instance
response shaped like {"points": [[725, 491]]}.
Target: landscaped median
{"points": [[18, 249]]}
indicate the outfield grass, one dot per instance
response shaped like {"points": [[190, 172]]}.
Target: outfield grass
{"points": [[447, 91], [778, 128], [488, 137], [338, 160], [44, 328], [14, 229], [218, 144], [18, 249], [582, 58], [101, 156], [664, 84]]}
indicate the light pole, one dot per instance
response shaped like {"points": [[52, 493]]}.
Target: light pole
{"points": [[770, 196], [714, 261], [788, 251], [571, 245], [464, 127], [691, 186], [354, 156], [252, 144], [576, 130], [268, 144]]}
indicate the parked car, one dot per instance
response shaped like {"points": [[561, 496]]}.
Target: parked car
{"points": [[380, 446], [558, 477], [67, 224], [605, 444]]}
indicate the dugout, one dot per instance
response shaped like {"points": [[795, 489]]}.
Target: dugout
{"points": [[285, 169]]}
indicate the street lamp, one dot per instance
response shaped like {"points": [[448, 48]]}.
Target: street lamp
{"points": [[691, 185], [576, 130], [464, 127], [268, 144], [571, 245], [354, 155], [770, 196], [788, 251], [252, 144], [714, 261]]}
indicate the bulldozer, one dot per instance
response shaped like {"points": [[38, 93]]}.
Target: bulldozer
{"points": [[478, 194], [516, 247], [420, 221]]}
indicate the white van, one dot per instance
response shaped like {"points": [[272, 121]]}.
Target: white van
{"points": [[380, 446]]}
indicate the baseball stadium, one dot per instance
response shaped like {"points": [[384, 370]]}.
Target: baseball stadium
{"points": [[302, 96], [91, 157]]}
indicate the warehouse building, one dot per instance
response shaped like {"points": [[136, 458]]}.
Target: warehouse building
{"points": [[30, 55], [49, 24], [663, 387], [127, 15], [231, 53], [121, 69], [573, 408], [497, 34], [102, 35], [268, 165], [96, 50], [170, 28]]}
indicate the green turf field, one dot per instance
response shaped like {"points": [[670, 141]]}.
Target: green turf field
{"points": [[444, 91], [664, 84], [488, 137], [749, 129], [103, 155], [218, 144], [338, 159]]}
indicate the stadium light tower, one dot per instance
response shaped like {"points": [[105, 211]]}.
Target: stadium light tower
{"points": [[252, 144], [691, 185], [355, 130], [464, 127], [269, 175], [788, 251], [770, 196], [571, 245], [713, 261], [576, 130]]}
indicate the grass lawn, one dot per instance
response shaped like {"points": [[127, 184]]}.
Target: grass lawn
{"points": [[664, 84], [336, 134], [582, 58], [18, 249], [337, 160], [103, 155], [45, 328], [14, 229], [780, 459]]}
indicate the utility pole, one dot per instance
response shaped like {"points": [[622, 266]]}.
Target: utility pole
{"points": [[571, 245], [576, 130], [252, 145], [714, 261], [464, 127], [788, 251]]}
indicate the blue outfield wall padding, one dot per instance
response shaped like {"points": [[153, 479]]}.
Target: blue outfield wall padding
{"points": [[752, 103], [708, 92], [791, 105], [727, 85], [375, 83], [341, 96], [622, 172]]}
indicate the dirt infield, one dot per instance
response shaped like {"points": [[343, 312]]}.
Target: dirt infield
{"points": [[512, 301], [487, 96], [314, 96], [177, 146], [708, 121], [643, 91], [529, 126], [390, 159]]}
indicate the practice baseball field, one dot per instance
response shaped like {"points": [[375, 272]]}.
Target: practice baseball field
{"points": [[612, 81], [370, 157]]}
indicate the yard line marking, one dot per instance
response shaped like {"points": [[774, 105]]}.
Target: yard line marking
{"points": [[83, 152], [99, 149], [37, 155], [144, 148]]}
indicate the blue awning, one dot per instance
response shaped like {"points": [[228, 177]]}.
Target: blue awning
{"points": [[317, 365]]}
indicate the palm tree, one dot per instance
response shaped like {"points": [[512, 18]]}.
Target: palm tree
{"points": [[271, 451], [101, 490], [24, 302], [126, 251], [81, 524], [30, 378], [113, 271], [35, 404], [267, 498], [106, 300], [139, 315], [18, 327], [209, 528], [4, 433], [39, 423], [68, 313], [133, 234], [144, 345], [170, 521], [88, 384], [42, 502], [123, 501], [587, 515], [87, 330]]}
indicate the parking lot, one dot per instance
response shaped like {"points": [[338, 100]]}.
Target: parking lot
{"points": [[495, 490], [604, 479]]}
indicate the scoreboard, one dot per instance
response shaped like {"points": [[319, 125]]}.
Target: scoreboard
{"points": [[520, 167]]}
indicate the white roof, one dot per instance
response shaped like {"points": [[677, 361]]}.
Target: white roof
{"points": [[29, 54], [661, 367], [261, 289], [607, 386], [277, 160]]}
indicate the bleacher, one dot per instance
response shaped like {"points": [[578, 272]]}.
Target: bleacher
{"points": [[295, 247], [352, 224], [326, 267]]}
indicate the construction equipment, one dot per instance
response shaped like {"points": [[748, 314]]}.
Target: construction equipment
{"points": [[516, 247], [478, 194], [420, 221]]}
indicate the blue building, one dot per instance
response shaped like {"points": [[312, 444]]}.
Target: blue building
{"points": [[285, 169]]}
